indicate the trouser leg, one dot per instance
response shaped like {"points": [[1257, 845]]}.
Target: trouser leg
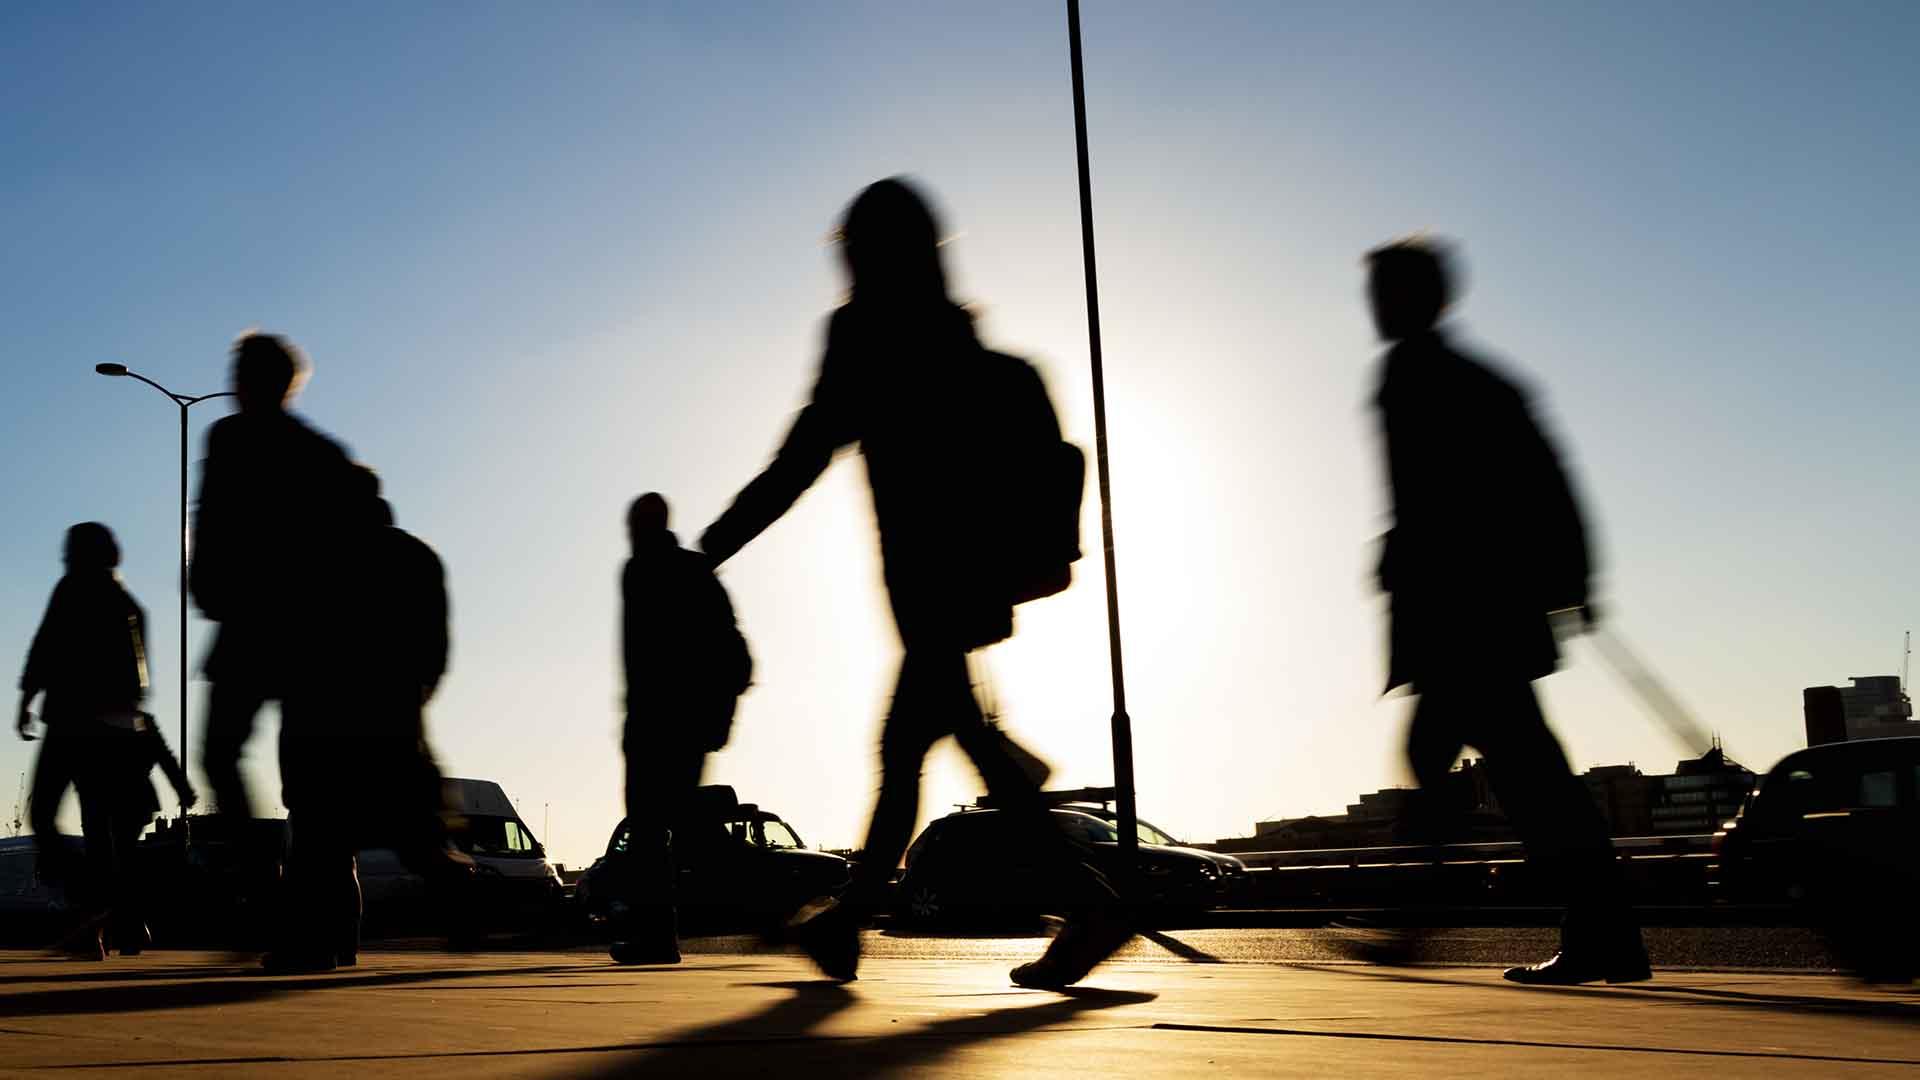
{"points": [[232, 707], [52, 776], [924, 709], [321, 907], [1555, 816], [660, 781], [1434, 742], [127, 888]]}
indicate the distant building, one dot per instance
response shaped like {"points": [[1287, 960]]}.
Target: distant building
{"points": [[1623, 794], [1874, 707], [1701, 794]]}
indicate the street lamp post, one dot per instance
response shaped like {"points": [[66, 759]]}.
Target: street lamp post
{"points": [[1122, 723], [185, 402]]}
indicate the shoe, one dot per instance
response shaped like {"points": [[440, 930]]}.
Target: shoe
{"points": [[1079, 947], [346, 959], [830, 933], [1565, 970], [634, 952], [86, 943], [297, 962], [136, 940]]}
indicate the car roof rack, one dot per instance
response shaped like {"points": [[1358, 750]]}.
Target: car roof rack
{"points": [[1056, 798]]}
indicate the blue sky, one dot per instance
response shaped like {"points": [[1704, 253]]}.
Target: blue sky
{"points": [[547, 260]]}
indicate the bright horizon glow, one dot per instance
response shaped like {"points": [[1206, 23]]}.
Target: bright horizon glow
{"points": [[542, 265]]}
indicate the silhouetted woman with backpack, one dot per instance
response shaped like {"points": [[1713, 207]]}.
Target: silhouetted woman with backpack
{"points": [[943, 424]]}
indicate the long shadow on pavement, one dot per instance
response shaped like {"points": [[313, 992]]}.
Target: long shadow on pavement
{"points": [[782, 1033]]}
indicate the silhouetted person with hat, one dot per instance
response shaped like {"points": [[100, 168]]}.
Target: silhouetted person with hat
{"points": [[356, 767], [272, 500], [1487, 540], [686, 666], [947, 429], [88, 659]]}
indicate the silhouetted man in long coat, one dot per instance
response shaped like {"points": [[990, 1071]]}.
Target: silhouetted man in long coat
{"points": [[686, 665], [273, 499], [1486, 540]]}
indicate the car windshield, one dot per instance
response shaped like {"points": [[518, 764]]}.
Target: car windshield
{"points": [[772, 835], [776, 835], [486, 834], [1088, 830], [1150, 835]]}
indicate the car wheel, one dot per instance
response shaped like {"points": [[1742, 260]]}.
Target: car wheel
{"points": [[925, 904]]}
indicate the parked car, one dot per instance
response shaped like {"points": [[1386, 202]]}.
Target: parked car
{"points": [[984, 866], [737, 866], [1831, 829], [517, 887]]}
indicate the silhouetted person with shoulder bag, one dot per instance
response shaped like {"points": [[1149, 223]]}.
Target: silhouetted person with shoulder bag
{"points": [[88, 659], [1487, 540], [355, 762], [977, 500], [686, 666]]}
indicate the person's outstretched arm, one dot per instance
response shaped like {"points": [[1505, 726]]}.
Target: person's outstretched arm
{"points": [[822, 428], [40, 656]]}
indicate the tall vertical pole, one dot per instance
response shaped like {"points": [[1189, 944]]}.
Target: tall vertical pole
{"points": [[1122, 723], [184, 752]]}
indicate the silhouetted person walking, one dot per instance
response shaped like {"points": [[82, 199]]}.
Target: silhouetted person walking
{"points": [[686, 666], [950, 432], [88, 659], [1486, 540], [354, 761], [272, 492]]}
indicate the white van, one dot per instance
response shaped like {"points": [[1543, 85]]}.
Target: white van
{"points": [[517, 887]]}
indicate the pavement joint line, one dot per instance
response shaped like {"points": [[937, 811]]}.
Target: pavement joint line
{"points": [[1463, 1040]]}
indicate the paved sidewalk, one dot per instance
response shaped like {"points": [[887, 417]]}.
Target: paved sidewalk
{"points": [[572, 1014]]}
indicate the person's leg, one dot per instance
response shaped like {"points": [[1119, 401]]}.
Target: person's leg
{"points": [[129, 912], [830, 929], [1565, 836], [923, 711], [1431, 819], [1434, 742], [318, 768], [232, 706], [53, 774], [660, 778], [89, 883]]}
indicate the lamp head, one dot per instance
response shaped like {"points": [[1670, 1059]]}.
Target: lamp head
{"points": [[110, 369]]}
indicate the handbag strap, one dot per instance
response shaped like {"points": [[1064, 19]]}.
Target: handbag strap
{"points": [[139, 649]]}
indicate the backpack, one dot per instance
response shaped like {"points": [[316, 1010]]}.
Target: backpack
{"points": [[1039, 478]]}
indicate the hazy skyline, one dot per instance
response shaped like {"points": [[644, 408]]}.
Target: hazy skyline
{"points": [[544, 263]]}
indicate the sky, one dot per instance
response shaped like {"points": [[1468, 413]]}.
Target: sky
{"points": [[546, 260]]}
